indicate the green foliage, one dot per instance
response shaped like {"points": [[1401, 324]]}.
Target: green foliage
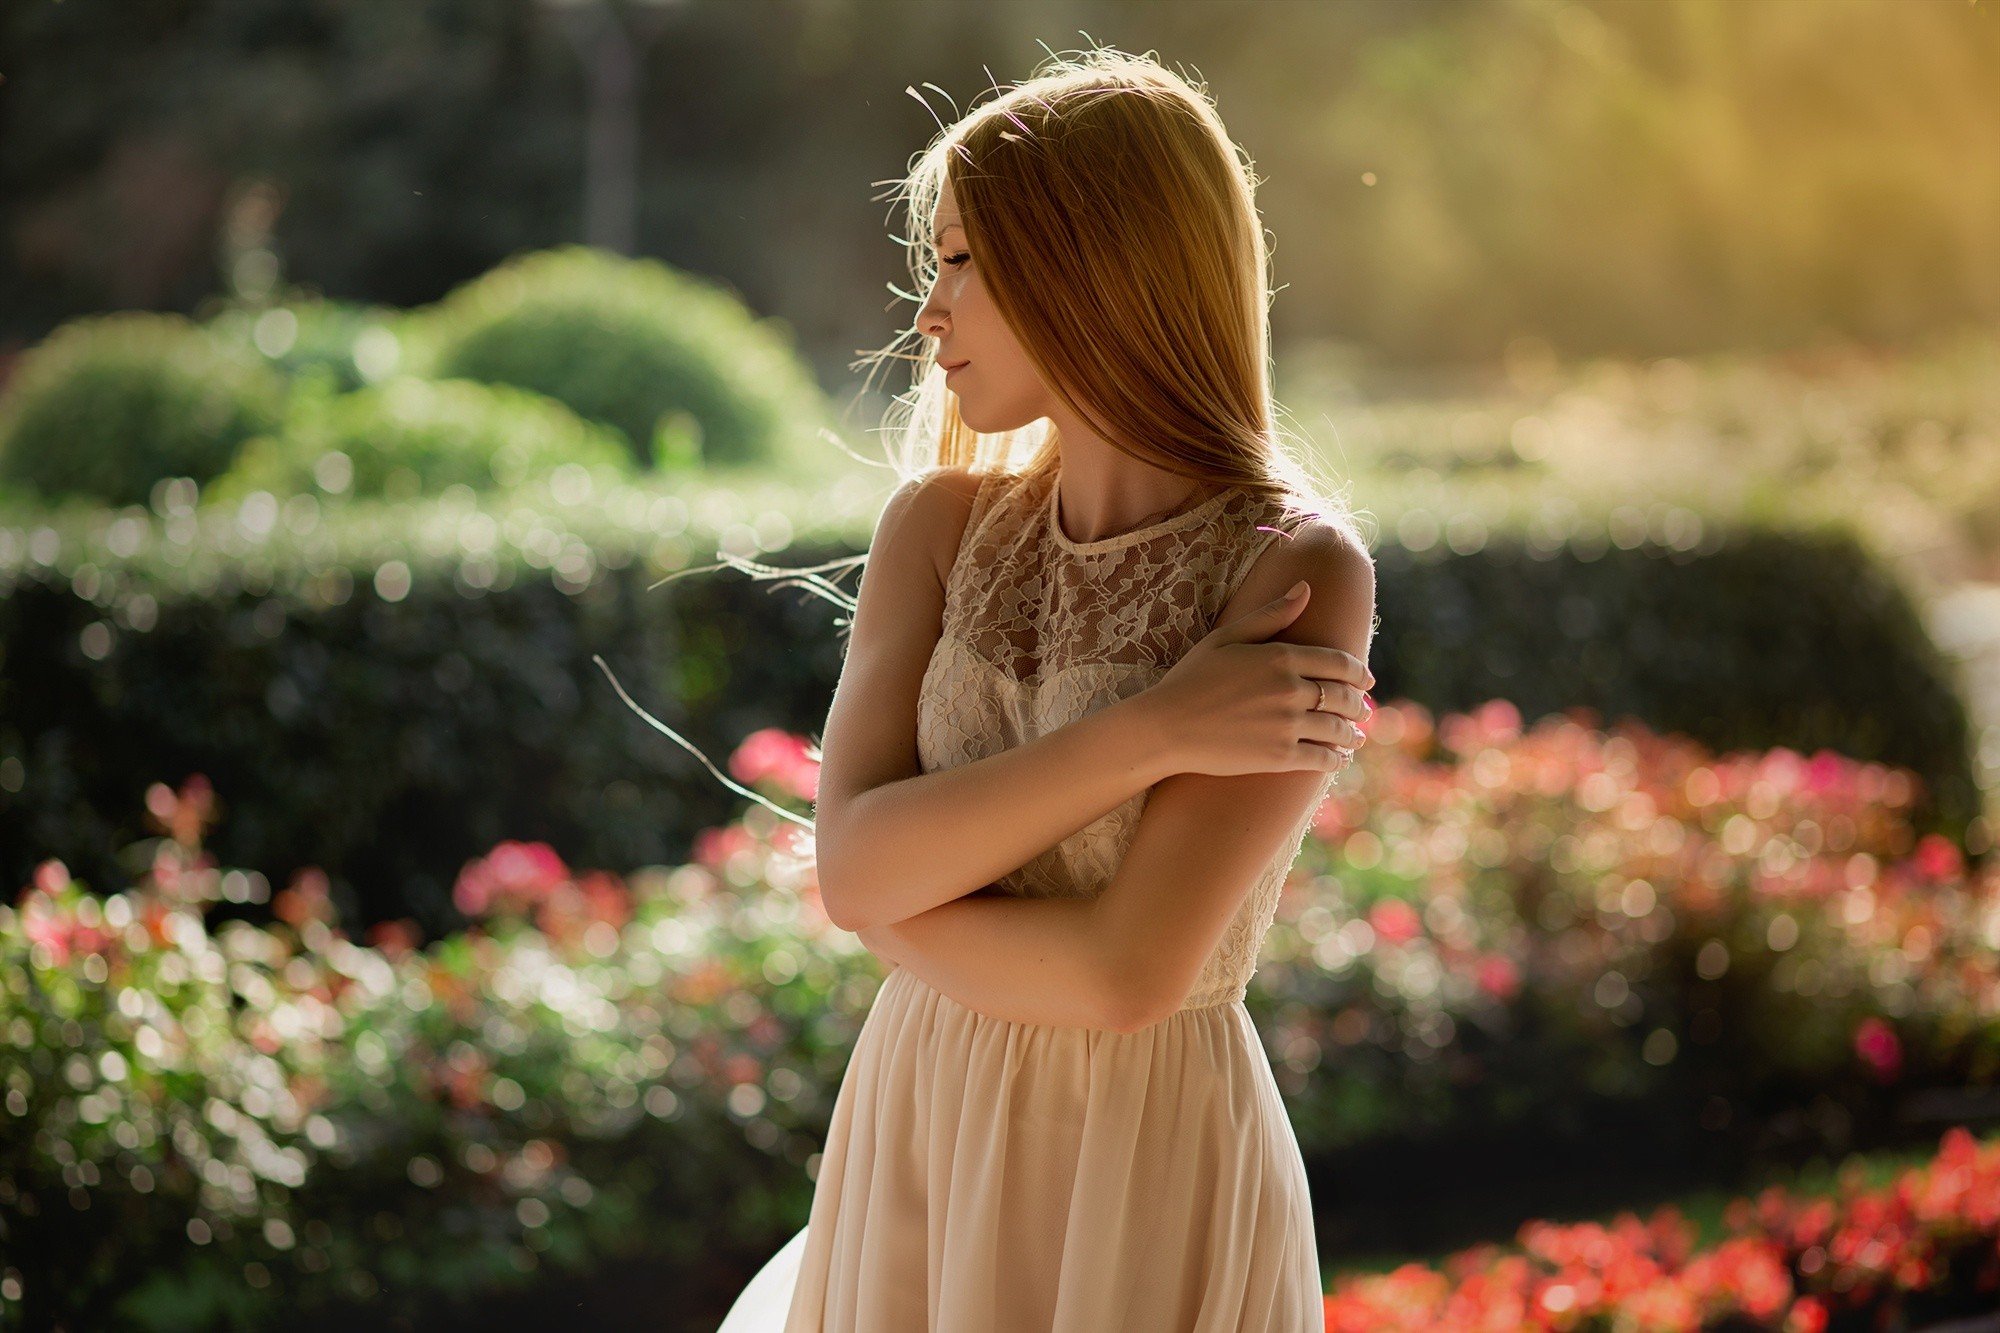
{"points": [[435, 659], [215, 1123], [1496, 920], [1755, 637], [107, 406], [1492, 928], [1898, 447], [408, 437], [346, 343], [675, 363]]}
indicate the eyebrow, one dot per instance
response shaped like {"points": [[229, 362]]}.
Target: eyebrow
{"points": [[937, 239]]}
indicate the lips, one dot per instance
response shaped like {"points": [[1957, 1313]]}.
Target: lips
{"points": [[953, 365]]}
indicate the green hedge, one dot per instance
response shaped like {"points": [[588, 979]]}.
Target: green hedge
{"points": [[105, 407], [308, 338], [677, 364], [407, 437], [384, 689]]}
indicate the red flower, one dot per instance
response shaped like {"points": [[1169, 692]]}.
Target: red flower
{"points": [[306, 899], [714, 846], [1808, 1315], [513, 877], [1395, 921], [1498, 976], [1937, 857], [779, 756], [396, 939], [1878, 1046]]}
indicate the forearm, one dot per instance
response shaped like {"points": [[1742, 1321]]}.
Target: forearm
{"points": [[1026, 960], [908, 846]]}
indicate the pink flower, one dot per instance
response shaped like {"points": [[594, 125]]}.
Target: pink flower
{"points": [[395, 939], [778, 757], [1937, 857], [1394, 921], [714, 846], [306, 899], [1878, 1046], [1498, 976], [513, 877]]}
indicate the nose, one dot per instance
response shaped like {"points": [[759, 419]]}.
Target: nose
{"points": [[932, 318]]}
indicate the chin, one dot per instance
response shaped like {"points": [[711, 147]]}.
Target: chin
{"points": [[990, 422]]}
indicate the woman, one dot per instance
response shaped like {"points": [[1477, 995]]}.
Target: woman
{"points": [[1079, 734]]}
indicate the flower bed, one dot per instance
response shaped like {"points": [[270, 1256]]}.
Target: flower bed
{"points": [[1923, 1249], [1492, 921], [207, 1120], [208, 1117]]}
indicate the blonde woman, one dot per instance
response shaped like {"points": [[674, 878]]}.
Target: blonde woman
{"points": [[1079, 734]]}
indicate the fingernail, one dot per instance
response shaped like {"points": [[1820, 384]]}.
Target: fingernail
{"points": [[1367, 704], [1297, 588]]}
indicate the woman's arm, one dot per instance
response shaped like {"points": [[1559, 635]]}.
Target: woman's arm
{"points": [[1129, 956], [1026, 960], [891, 841]]}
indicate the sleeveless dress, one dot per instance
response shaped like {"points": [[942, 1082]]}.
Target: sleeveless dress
{"points": [[988, 1176]]}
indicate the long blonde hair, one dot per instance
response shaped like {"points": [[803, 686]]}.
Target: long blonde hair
{"points": [[1107, 163], [1100, 164]]}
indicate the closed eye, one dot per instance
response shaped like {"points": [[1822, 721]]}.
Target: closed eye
{"points": [[957, 259]]}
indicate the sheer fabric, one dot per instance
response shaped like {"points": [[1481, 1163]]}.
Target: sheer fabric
{"points": [[987, 1176]]}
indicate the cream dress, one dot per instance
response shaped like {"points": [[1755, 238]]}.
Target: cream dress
{"points": [[988, 1176]]}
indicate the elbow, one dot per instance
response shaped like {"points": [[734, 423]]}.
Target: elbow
{"points": [[844, 909], [837, 905], [833, 898], [1132, 1000]]}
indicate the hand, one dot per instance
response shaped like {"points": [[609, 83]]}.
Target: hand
{"points": [[1235, 704]]}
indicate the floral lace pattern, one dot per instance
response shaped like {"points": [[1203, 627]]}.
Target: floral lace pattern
{"points": [[1040, 630]]}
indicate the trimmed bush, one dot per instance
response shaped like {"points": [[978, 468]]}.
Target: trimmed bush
{"points": [[342, 343], [107, 406], [675, 363], [412, 437]]}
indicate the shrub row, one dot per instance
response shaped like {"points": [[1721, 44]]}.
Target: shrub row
{"points": [[386, 689]]}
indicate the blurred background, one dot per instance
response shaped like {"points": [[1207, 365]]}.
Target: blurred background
{"points": [[408, 918]]}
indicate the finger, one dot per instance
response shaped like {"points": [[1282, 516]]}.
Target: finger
{"points": [[1346, 700], [1316, 662], [1332, 729], [1325, 758], [1268, 618]]}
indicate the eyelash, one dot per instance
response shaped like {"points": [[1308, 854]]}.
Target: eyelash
{"points": [[957, 259]]}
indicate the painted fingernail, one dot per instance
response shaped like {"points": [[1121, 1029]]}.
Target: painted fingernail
{"points": [[1367, 703]]}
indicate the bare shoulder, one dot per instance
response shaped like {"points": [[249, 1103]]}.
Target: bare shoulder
{"points": [[1333, 559], [932, 509]]}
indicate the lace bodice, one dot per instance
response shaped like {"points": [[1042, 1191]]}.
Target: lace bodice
{"points": [[1040, 630]]}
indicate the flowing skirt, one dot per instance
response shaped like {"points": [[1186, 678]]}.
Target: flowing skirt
{"points": [[986, 1176]]}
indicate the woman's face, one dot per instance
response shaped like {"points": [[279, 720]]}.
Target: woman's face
{"points": [[998, 388]]}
